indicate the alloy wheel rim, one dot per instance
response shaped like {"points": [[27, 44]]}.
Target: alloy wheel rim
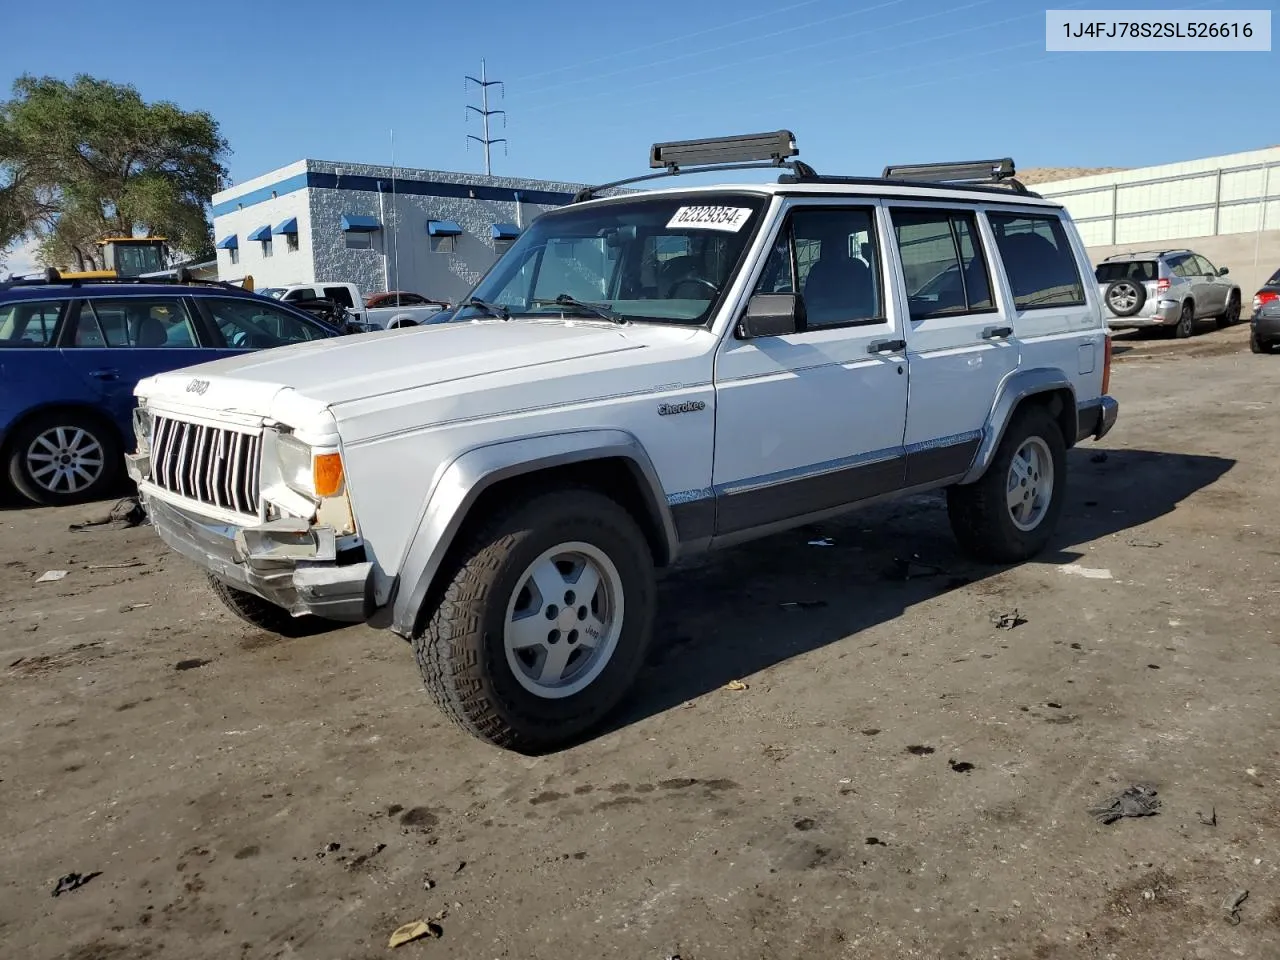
{"points": [[1029, 488], [65, 459], [1123, 297], [563, 620]]}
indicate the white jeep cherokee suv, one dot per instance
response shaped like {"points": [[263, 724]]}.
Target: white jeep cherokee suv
{"points": [[644, 376]]}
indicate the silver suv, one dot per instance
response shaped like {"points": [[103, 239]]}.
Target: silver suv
{"points": [[1166, 288]]}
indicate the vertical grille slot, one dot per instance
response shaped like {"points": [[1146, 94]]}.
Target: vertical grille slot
{"points": [[209, 464]]}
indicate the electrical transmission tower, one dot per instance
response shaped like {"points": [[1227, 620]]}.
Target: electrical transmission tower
{"points": [[485, 113]]}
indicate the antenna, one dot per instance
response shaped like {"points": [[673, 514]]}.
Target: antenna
{"points": [[485, 113]]}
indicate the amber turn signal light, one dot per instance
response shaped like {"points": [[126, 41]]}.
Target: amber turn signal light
{"points": [[326, 474]]}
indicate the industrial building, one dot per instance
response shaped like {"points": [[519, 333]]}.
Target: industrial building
{"points": [[424, 231], [1226, 208]]}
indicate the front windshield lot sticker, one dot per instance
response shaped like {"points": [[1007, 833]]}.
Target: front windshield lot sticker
{"points": [[728, 219]]}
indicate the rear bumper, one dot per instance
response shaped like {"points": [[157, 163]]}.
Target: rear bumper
{"points": [[309, 580], [1166, 314], [1095, 418], [1266, 326]]}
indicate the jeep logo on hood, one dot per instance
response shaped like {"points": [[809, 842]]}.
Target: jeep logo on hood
{"points": [[198, 387]]}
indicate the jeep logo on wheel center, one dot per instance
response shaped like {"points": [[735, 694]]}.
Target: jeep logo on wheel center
{"points": [[685, 406]]}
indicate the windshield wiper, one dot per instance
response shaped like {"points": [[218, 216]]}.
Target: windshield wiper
{"points": [[595, 309], [492, 309]]}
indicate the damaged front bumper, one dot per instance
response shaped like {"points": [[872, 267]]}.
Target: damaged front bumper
{"points": [[289, 563]]}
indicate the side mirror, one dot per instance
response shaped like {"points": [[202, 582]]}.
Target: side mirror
{"points": [[1223, 271], [773, 315]]}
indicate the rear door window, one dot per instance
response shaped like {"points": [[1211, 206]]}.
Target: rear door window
{"points": [[29, 324], [1038, 260], [137, 322], [942, 263]]}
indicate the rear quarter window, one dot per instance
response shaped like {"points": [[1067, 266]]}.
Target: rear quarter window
{"points": [[1038, 260], [29, 324]]}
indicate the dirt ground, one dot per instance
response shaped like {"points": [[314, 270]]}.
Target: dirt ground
{"points": [[900, 779]]}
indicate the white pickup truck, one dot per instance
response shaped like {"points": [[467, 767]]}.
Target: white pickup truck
{"points": [[640, 379], [406, 312]]}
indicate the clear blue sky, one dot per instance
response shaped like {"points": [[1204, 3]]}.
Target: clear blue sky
{"points": [[589, 85]]}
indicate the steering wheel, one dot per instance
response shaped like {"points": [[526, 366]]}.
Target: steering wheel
{"points": [[240, 338], [695, 281]]}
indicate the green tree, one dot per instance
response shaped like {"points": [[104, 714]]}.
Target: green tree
{"points": [[90, 158]]}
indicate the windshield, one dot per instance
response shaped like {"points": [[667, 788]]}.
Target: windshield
{"points": [[1274, 281], [1143, 270], [660, 260], [272, 292], [132, 260]]}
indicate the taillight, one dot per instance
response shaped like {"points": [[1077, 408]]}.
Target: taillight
{"points": [[1263, 298], [1162, 285], [1106, 365]]}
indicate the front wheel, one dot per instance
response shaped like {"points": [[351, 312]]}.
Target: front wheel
{"points": [[57, 459], [543, 623], [1010, 513]]}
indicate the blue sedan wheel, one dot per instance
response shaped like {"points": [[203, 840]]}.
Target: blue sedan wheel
{"points": [[63, 458]]}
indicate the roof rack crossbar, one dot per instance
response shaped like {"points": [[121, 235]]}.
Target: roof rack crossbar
{"points": [[751, 151], [52, 277]]}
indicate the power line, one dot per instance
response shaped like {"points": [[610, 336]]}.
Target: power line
{"points": [[485, 113], [809, 46], [705, 51], [613, 56]]}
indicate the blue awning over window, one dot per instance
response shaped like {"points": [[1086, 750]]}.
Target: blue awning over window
{"points": [[352, 223], [443, 228], [228, 243], [262, 233], [504, 231], [287, 226]]}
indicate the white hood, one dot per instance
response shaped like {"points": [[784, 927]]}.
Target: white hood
{"points": [[308, 383]]}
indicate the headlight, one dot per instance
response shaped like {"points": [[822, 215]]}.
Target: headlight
{"points": [[317, 475]]}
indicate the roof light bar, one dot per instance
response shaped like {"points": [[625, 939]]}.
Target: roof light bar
{"points": [[776, 146], [970, 171]]}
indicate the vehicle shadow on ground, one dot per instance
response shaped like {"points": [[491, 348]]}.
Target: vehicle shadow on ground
{"points": [[724, 617]]}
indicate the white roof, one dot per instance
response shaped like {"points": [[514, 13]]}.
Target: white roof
{"points": [[870, 187]]}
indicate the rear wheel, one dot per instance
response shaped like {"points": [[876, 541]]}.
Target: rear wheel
{"points": [[63, 458], [1256, 345], [266, 615], [1231, 315], [1186, 322], [1010, 513], [543, 623]]}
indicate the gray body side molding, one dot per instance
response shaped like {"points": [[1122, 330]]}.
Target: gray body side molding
{"points": [[476, 470], [1014, 390]]}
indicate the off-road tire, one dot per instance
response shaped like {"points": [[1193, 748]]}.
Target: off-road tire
{"points": [[1230, 316], [460, 643], [24, 481], [266, 615], [979, 511]]}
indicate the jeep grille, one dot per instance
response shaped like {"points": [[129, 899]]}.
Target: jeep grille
{"points": [[209, 464]]}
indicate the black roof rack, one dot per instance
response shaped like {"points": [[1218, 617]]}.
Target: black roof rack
{"points": [[983, 175], [750, 151], [52, 277]]}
